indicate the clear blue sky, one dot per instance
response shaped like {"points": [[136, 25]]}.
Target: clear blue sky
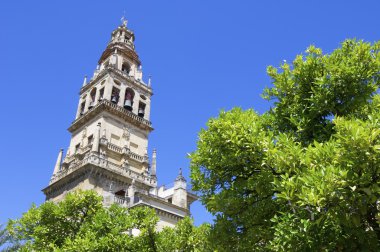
{"points": [[204, 56]]}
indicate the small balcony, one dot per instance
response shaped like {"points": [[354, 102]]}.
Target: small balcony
{"points": [[105, 105]]}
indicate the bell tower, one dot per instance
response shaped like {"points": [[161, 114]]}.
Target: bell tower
{"points": [[109, 138]]}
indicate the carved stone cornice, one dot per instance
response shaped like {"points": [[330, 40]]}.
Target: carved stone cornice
{"points": [[146, 197], [141, 87], [138, 85], [125, 49], [114, 109], [97, 165], [99, 76]]}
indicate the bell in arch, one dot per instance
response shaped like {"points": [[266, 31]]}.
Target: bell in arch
{"points": [[141, 112], [128, 105], [113, 99]]}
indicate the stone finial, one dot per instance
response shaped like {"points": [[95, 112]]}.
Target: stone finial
{"points": [[150, 81], [84, 81], [154, 164], [57, 166], [180, 177]]}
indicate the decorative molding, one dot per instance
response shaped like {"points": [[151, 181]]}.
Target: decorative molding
{"points": [[114, 109]]}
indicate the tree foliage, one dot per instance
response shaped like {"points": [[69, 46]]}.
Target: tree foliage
{"points": [[7, 244], [303, 176], [81, 223]]}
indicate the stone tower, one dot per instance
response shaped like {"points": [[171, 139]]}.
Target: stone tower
{"points": [[109, 139]]}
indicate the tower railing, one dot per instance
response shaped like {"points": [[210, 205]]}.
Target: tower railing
{"points": [[114, 147], [120, 200], [97, 160], [127, 112], [113, 108]]}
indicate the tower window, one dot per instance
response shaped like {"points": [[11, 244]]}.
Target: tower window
{"points": [[82, 108], [121, 193], [115, 95], [92, 96], [117, 82], [128, 99], [101, 94], [90, 139], [77, 148], [126, 68], [141, 111]]}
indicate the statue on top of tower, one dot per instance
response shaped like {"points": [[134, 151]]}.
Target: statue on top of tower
{"points": [[124, 21]]}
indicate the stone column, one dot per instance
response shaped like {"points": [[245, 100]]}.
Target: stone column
{"points": [[122, 95], [108, 89], [147, 109], [136, 101], [131, 191], [97, 95], [88, 101], [95, 144], [153, 166]]}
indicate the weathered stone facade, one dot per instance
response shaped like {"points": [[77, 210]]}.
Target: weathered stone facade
{"points": [[109, 139]]}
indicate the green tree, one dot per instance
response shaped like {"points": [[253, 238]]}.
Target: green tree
{"points": [[303, 176], [80, 223], [7, 244], [185, 237]]}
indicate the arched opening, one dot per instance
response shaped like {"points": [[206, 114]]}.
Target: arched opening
{"points": [[101, 94], [115, 95], [92, 98], [121, 193], [121, 197], [105, 64], [128, 99], [126, 68], [82, 108], [141, 111]]}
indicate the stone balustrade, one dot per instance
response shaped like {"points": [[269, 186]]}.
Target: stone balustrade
{"points": [[127, 112], [136, 156], [85, 149], [96, 160], [114, 148], [112, 68], [122, 201], [125, 75], [112, 108]]}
